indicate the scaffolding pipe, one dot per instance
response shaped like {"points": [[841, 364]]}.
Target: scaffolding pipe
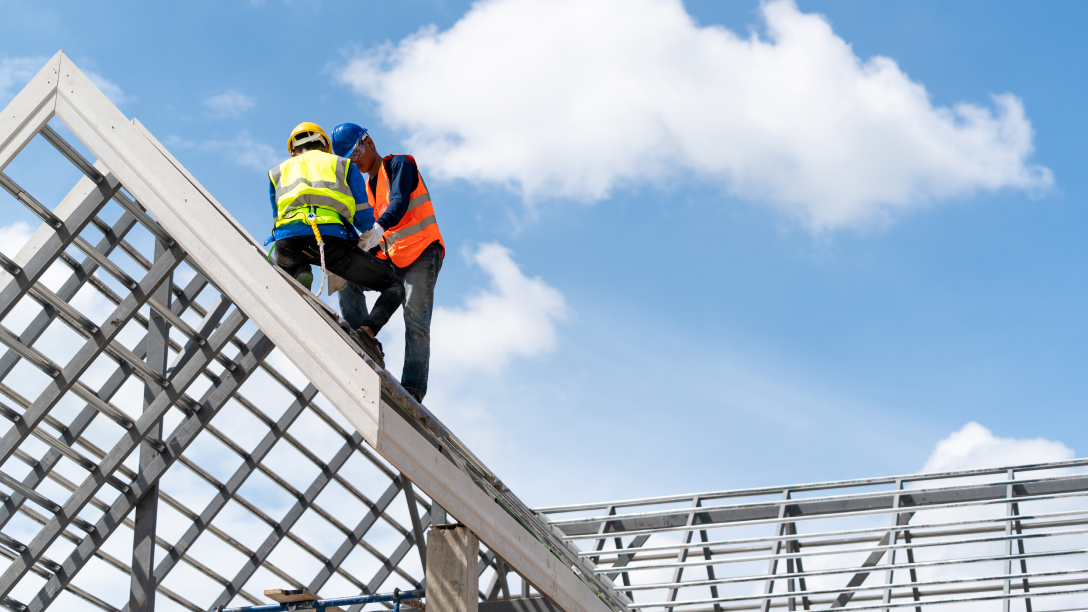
{"points": [[396, 596]]}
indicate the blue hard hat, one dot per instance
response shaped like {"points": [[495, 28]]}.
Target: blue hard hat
{"points": [[345, 137]]}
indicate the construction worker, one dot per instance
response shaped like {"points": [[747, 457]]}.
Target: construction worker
{"points": [[404, 233], [317, 193]]}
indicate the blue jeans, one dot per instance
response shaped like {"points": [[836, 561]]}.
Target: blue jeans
{"points": [[419, 279], [343, 257]]}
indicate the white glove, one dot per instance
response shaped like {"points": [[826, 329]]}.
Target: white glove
{"points": [[375, 236]]}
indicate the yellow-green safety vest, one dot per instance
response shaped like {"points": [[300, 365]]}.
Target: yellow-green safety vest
{"points": [[314, 182]]}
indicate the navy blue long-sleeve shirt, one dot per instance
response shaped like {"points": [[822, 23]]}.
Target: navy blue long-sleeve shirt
{"points": [[363, 220], [403, 180]]}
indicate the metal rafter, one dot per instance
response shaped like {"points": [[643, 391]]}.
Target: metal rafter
{"points": [[71, 455], [184, 434], [176, 352], [958, 516]]}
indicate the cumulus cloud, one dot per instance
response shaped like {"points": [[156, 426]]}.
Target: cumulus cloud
{"points": [[515, 316], [15, 72], [13, 237], [976, 447], [229, 104], [575, 98]]}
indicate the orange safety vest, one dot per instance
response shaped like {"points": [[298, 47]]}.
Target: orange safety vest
{"points": [[417, 229]]}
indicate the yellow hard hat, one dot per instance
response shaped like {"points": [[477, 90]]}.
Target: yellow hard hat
{"points": [[312, 132]]}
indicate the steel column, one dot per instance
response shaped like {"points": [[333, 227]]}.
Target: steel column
{"points": [[1006, 585], [792, 546], [142, 591], [776, 547], [413, 514], [599, 544], [1023, 560], [708, 556], [682, 556], [889, 578]]}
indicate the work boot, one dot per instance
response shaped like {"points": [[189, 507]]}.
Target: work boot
{"points": [[371, 346]]}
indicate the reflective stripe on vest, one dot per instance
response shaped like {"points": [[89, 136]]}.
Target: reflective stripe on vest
{"points": [[416, 230], [393, 237], [313, 182]]}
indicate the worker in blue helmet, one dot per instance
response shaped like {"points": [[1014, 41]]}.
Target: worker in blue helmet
{"points": [[405, 233]]}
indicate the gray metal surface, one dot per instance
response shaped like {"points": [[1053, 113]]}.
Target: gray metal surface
{"points": [[1013, 538]]}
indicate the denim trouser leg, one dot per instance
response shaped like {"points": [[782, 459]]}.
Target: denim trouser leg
{"points": [[345, 259], [353, 305], [419, 279]]}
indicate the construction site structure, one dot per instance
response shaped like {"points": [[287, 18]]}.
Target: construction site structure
{"points": [[187, 426], [206, 311]]}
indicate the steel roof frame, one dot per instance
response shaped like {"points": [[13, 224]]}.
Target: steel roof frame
{"points": [[1015, 537], [79, 461], [99, 468]]}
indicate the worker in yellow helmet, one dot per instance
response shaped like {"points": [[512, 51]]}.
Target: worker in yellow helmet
{"points": [[318, 202]]}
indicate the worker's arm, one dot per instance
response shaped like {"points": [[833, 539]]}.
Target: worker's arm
{"points": [[272, 197], [364, 216], [403, 180]]}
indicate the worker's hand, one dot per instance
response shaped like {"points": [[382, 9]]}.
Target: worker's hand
{"points": [[375, 237]]}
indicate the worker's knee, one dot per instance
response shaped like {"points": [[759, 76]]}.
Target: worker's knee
{"points": [[397, 289]]}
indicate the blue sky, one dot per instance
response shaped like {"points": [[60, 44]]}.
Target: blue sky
{"points": [[701, 301]]}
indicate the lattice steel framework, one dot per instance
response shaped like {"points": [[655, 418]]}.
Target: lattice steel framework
{"points": [[1010, 539], [158, 441], [193, 356]]}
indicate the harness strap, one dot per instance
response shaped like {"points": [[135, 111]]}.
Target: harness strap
{"points": [[312, 218]]}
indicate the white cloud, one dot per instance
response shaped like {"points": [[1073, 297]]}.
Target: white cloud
{"points": [[976, 447], [574, 98], [516, 316], [229, 104], [13, 237], [247, 152], [15, 72], [107, 87]]}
